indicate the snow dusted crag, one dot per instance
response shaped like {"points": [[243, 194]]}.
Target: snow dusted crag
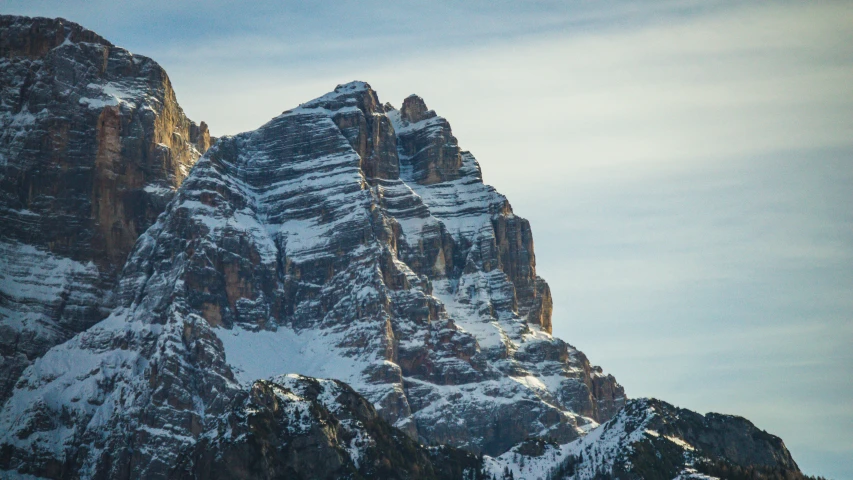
{"points": [[92, 147], [300, 427], [651, 439], [381, 259]]}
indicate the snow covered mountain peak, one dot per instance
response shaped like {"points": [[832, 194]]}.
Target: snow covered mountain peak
{"points": [[313, 245]]}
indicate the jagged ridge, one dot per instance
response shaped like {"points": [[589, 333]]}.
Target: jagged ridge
{"points": [[297, 427], [652, 440]]}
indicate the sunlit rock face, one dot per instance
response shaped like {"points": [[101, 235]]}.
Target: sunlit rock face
{"points": [[419, 291], [93, 145]]}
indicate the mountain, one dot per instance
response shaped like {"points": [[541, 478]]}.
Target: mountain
{"points": [[92, 146], [332, 295], [649, 440]]}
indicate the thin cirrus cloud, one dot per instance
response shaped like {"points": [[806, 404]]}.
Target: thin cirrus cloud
{"points": [[686, 166]]}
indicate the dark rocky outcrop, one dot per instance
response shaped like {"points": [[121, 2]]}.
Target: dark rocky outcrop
{"points": [[721, 436], [92, 146], [653, 440], [304, 428]]}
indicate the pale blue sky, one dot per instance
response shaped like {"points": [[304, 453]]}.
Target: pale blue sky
{"points": [[686, 166]]}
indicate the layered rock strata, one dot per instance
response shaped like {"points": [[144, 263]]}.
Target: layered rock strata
{"points": [[92, 146]]}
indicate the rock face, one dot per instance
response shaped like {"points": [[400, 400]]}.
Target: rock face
{"points": [[420, 292], [652, 439], [92, 146]]}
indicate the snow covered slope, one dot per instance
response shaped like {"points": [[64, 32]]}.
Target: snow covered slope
{"points": [[651, 439]]}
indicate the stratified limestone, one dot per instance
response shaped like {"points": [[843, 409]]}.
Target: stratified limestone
{"points": [[93, 145]]}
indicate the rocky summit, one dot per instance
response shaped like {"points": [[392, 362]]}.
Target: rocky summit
{"points": [[336, 294]]}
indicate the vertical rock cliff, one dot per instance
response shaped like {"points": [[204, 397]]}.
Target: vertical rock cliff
{"points": [[93, 145]]}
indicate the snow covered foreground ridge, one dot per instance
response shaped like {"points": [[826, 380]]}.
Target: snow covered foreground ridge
{"points": [[344, 239], [651, 439]]}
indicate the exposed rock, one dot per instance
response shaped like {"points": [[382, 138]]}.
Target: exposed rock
{"points": [[92, 146], [36, 37], [431, 150]]}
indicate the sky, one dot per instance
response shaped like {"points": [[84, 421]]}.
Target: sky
{"points": [[686, 166]]}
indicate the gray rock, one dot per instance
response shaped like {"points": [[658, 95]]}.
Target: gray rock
{"points": [[279, 241], [304, 428]]}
